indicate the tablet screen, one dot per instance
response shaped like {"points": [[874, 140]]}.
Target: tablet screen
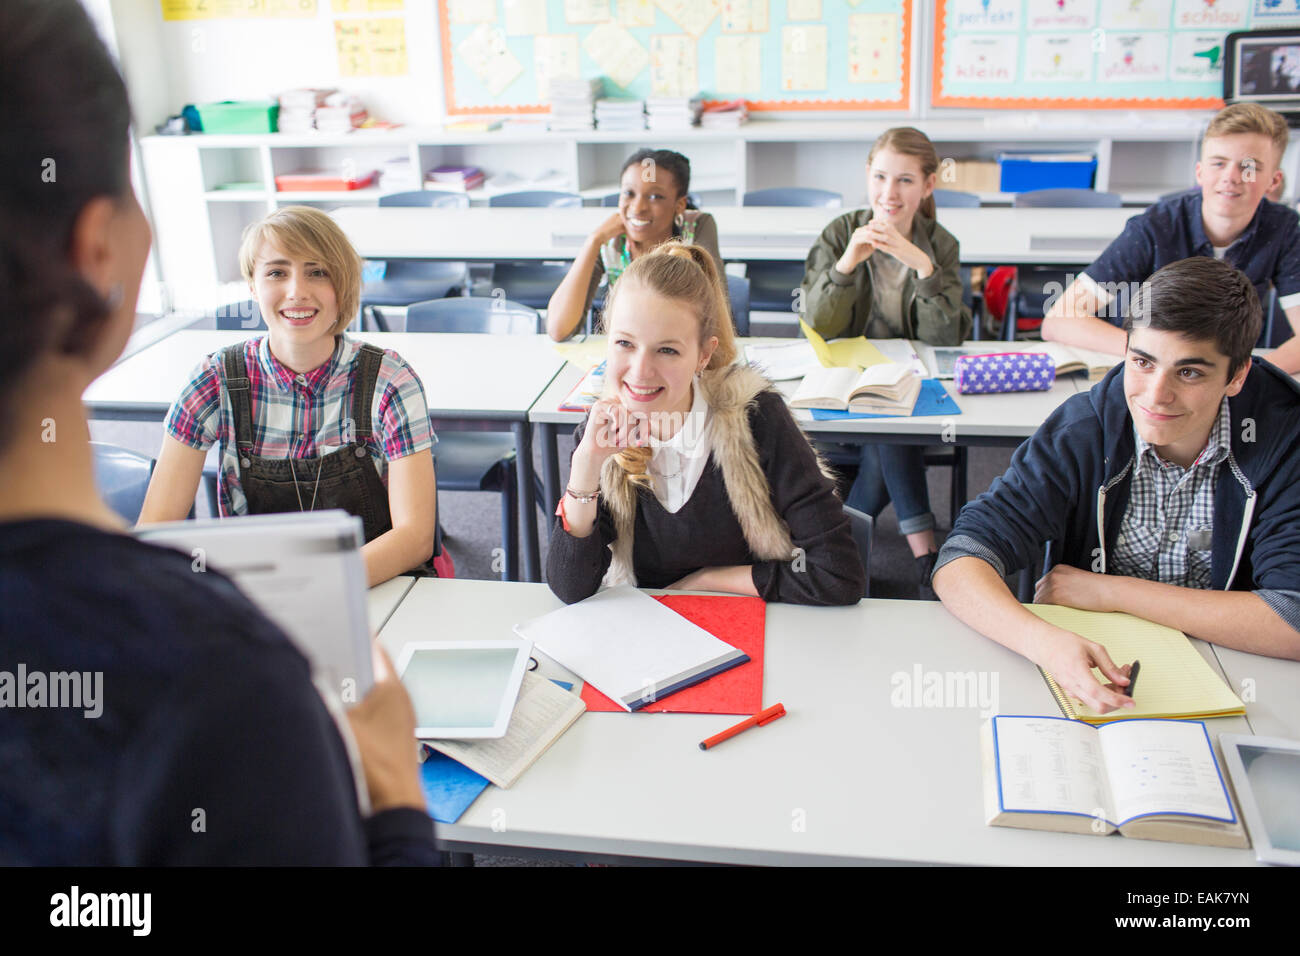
{"points": [[1274, 776], [459, 690]]}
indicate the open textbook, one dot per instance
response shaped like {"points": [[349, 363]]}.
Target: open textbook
{"points": [[1149, 779]]}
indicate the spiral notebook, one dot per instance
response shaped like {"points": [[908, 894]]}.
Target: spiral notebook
{"points": [[1176, 681]]}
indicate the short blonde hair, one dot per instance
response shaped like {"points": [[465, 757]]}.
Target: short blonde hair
{"points": [[303, 232], [1250, 118]]}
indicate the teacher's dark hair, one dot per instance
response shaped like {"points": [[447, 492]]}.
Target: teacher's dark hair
{"points": [[63, 142], [653, 160]]}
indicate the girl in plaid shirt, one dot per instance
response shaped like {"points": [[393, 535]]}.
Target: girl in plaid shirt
{"points": [[306, 418]]}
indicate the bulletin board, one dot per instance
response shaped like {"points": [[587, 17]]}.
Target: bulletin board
{"points": [[499, 56], [1090, 54]]}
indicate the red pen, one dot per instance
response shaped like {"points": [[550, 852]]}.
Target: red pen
{"points": [[758, 720]]}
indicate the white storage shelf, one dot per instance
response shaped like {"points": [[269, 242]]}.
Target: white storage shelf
{"points": [[1141, 156]]}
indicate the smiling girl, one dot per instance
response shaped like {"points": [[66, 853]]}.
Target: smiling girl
{"points": [[891, 271], [307, 419], [689, 472], [652, 208]]}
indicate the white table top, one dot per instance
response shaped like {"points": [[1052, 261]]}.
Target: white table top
{"points": [[994, 235], [382, 600], [1270, 688], [1011, 415], [478, 376], [845, 777]]}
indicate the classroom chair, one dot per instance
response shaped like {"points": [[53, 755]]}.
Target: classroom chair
{"points": [[772, 284], [861, 525], [480, 461], [122, 476], [738, 293], [956, 199], [1028, 301], [414, 280], [531, 283], [1276, 328]]}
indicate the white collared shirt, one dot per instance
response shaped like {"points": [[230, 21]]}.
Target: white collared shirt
{"points": [[677, 463]]}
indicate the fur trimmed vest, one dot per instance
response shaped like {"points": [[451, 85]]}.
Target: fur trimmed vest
{"points": [[730, 393]]}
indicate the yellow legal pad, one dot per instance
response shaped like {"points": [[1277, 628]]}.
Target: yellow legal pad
{"points": [[1175, 680], [843, 353]]}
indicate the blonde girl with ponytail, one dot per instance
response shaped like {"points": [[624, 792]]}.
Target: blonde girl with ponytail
{"points": [[689, 472]]}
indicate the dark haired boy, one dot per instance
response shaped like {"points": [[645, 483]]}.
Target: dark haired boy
{"points": [[1171, 491]]}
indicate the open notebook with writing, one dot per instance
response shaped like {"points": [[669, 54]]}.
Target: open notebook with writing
{"points": [[1176, 681]]}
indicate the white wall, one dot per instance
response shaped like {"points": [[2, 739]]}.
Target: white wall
{"points": [[169, 64]]}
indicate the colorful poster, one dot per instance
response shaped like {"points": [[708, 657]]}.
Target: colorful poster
{"points": [[636, 13], [693, 16], [1130, 57], [554, 58], [586, 11], [672, 66], [1058, 59], [1060, 14], [982, 59], [1196, 56], [472, 11], [744, 16], [984, 15], [1224, 15], [803, 58], [803, 9], [485, 52], [525, 17], [619, 55], [738, 65], [1135, 14], [874, 44]]}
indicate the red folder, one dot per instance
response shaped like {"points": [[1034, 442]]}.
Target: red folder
{"points": [[741, 622]]}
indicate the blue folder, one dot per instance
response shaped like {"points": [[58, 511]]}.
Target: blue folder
{"points": [[933, 400]]}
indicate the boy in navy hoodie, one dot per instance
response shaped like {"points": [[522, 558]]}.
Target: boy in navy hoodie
{"points": [[1171, 491]]}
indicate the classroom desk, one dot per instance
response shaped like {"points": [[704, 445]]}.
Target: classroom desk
{"points": [[1270, 688], [846, 777], [382, 600], [467, 378], [985, 420], [988, 236]]}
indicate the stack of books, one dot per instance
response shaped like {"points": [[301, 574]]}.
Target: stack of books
{"points": [[341, 113], [725, 115], [398, 175], [572, 103], [456, 177], [672, 112], [298, 109], [621, 114]]}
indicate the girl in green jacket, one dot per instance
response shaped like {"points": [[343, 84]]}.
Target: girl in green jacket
{"points": [[891, 271]]}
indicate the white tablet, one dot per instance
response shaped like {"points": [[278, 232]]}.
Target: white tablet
{"points": [[1266, 774], [463, 690]]}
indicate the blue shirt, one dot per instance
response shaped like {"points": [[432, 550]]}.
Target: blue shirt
{"points": [[1267, 251]]}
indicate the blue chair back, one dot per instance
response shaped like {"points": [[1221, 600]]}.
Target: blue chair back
{"points": [[537, 197], [738, 292], [793, 196], [861, 525], [610, 199], [241, 316], [473, 314], [442, 198], [1066, 199], [955, 199], [123, 477]]}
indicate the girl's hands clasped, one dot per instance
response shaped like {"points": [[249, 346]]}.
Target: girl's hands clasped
{"points": [[884, 235]]}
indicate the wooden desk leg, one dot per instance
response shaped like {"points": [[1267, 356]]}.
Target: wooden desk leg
{"points": [[527, 500], [546, 437]]}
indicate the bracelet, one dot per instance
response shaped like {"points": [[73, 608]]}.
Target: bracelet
{"points": [[586, 497]]}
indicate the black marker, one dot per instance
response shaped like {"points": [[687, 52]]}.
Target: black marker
{"points": [[1133, 677]]}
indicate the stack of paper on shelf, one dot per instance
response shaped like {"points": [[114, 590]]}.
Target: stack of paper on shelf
{"points": [[456, 177], [620, 114], [672, 112], [573, 102], [398, 175], [340, 114], [725, 115], [298, 109]]}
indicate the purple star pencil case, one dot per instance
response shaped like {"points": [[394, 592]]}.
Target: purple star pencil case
{"points": [[1004, 372]]}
